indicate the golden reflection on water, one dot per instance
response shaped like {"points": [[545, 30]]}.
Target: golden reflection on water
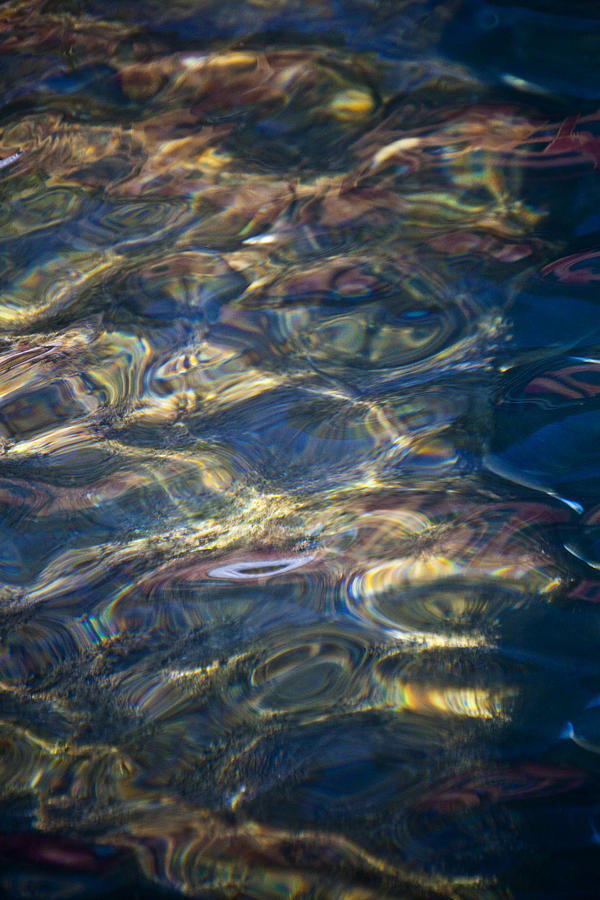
{"points": [[254, 583]]}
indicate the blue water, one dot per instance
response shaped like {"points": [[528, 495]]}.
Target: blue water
{"points": [[299, 429]]}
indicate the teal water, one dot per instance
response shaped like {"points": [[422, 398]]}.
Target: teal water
{"points": [[299, 429]]}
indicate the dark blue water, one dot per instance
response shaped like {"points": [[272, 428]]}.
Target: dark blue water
{"points": [[299, 433]]}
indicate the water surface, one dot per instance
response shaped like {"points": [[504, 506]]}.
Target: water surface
{"points": [[299, 429]]}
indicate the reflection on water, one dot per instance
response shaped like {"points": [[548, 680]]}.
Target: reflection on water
{"points": [[299, 418]]}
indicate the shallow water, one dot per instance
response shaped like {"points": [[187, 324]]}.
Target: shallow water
{"points": [[299, 426]]}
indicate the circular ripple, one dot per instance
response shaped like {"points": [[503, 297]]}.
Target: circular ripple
{"points": [[340, 280], [450, 611], [41, 209], [395, 322], [375, 338], [304, 673], [129, 222], [293, 434], [309, 676], [182, 284]]}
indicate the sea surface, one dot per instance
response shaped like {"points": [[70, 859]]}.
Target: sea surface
{"points": [[299, 450]]}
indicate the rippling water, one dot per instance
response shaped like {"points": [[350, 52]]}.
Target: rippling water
{"points": [[299, 430]]}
